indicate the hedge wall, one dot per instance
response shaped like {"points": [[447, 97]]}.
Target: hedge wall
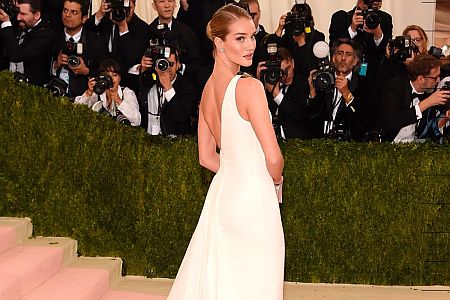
{"points": [[353, 213]]}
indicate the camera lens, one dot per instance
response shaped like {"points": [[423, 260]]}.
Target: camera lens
{"points": [[372, 21], [73, 61], [162, 64], [118, 14], [323, 80]]}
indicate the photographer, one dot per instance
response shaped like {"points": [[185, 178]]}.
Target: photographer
{"points": [[28, 47], [299, 38], [287, 98], [409, 104], [346, 106], [168, 103], [120, 27], [104, 93], [79, 51], [177, 34], [367, 24]]}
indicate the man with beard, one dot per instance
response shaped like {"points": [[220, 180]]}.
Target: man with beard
{"points": [[29, 45], [79, 51], [346, 109], [411, 108]]}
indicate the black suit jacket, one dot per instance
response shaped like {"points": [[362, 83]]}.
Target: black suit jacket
{"points": [[35, 51], [341, 20], [127, 49], [295, 114], [396, 107], [175, 114], [94, 52], [360, 116], [303, 56], [186, 42]]}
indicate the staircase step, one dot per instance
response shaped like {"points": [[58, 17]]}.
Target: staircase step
{"points": [[14, 231], [93, 274], [141, 284], [28, 265], [120, 295]]}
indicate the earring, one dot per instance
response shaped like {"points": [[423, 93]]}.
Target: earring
{"points": [[221, 50]]}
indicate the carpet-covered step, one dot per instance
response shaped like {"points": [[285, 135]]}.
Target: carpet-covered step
{"points": [[85, 278], [14, 231], [139, 288], [26, 266]]}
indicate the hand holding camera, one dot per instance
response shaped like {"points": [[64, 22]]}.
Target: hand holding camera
{"points": [[104, 10], [91, 84], [357, 20]]}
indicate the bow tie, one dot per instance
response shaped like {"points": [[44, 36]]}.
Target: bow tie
{"points": [[420, 96]]}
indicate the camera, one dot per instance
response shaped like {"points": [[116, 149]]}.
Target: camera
{"points": [[297, 22], [436, 52], [159, 55], [273, 72], [20, 77], [371, 17], [402, 48], [9, 8], [120, 9], [57, 87], [323, 79], [102, 82], [73, 50]]}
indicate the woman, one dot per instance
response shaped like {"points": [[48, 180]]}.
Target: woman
{"points": [[418, 37], [237, 249], [120, 103]]}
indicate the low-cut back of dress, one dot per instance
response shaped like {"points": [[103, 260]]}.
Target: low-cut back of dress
{"points": [[237, 249]]}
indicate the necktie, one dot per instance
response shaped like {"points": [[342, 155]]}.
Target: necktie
{"points": [[420, 96], [71, 40], [21, 37]]}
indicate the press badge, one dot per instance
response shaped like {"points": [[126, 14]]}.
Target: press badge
{"points": [[363, 69]]}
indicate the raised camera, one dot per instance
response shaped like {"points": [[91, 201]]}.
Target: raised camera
{"points": [[401, 48], [323, 79], [159, 55], [120, 9], [73, 50], [297, 22], [102, 82], [9, 8], [20, 77], [273, 72], [371, 17]]}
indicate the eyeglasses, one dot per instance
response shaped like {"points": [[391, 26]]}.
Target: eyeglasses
{"points": [[417, 39], [253, 14], [435, 78]]}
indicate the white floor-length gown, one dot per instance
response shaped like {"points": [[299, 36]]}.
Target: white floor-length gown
{"points": [[237, 249]]}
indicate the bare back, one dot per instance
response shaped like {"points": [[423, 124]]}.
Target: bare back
{"points": [[211, 105]]}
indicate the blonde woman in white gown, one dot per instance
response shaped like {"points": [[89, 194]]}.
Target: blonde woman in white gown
{"points": [[237, 249]]}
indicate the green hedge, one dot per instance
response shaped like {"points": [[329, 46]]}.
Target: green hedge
{"points": [[353, 213]]}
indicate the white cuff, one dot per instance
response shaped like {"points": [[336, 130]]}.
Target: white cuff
{"points": [[278, 98], [351, 32], [6, 24], [378, 41], [169, 94]]}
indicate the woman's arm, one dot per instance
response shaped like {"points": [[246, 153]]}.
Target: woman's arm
{"points": [[251, 96], [207, 154]]}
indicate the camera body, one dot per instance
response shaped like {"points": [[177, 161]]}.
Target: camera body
{"points": [[324, 79], [272, 74], [159, 55], [401, 48], [371, 17], [73, 50], [102, 82], [297, 22], [9, 8], [120, 9], [57, 87]]}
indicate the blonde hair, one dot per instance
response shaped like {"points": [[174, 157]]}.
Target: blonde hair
{"points": [[422, 33], [222, 19]]}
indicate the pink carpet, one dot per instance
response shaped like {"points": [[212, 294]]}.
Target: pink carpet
{"points": [[24, 268], [72, 284], [119, 295], [7, 238]]}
